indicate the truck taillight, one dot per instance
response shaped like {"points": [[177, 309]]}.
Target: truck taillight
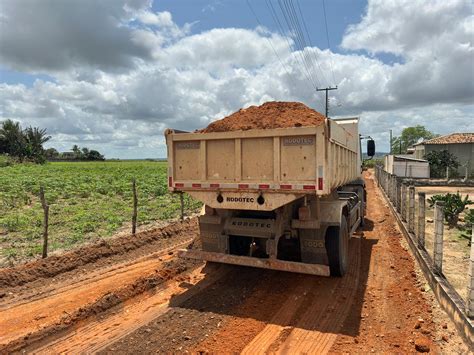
{"points": [[320, 183], [170, 181]]}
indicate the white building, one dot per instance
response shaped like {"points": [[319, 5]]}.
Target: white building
{"points": [[406, 166]]}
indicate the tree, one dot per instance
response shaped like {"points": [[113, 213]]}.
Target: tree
{"points": [[12, 139], [410, 136], [77, 151], [22, 144], [51, 153], [85, 153], [441, 160], [35, 138], [95, 155]]}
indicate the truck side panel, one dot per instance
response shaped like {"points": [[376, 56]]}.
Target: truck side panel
{"points": [[312, 160]]}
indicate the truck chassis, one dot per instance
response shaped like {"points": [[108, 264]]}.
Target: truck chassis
{"points": [[309, 236]]}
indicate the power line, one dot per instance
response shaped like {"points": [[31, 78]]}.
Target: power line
{"points": [[309, 39], [302, 40], [297, 42], [329, 46], [281, 31], [270, 42]]}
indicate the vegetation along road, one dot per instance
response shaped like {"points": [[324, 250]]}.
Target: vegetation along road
{"points": [[131, 294], [88, 201]]}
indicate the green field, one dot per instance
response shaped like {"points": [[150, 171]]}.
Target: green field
{"points": [[88, 200]]}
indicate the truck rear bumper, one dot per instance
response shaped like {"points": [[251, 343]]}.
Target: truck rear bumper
{"points": [[289, 266]]}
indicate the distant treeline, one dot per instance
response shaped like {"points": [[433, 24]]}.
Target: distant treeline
{"points": [[76, 154], [27, 145]]}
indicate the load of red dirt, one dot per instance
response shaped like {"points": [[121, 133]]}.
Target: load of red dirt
{"points": [[274, 114]]}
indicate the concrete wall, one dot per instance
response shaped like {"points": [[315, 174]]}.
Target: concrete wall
{"points": [[463, 151], [411, 169]]}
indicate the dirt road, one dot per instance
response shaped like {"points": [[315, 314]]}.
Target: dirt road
{"points": [[141, 298]]}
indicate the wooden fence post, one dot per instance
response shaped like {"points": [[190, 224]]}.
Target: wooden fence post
{"points": [[411, 209], [438, 241], [470, 286], [181, 199], [135, 206], [45, 222], [421, 219]]}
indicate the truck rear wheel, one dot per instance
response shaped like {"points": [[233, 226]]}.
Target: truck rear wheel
{"points": [[337, 247]]}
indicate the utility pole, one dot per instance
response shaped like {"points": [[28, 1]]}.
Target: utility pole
{"points": [[390, 141], [327, 99]]}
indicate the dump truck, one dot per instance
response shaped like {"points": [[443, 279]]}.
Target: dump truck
{"points": [[285, 198]]}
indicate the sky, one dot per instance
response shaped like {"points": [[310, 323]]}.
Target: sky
{"points": [[112, 75]]}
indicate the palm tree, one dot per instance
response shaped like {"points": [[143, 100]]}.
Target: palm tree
{"points": [[12, 140], [77, 151], [35, 138]]}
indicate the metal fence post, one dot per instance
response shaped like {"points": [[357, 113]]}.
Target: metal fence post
{"points": [[411, 209], [421, 220], [470, 286], [438, 242]]}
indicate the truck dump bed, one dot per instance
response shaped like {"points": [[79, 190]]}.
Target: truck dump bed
{"points": [[281, 164]]}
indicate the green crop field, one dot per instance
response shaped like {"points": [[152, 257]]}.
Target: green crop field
{"points": [[88, 200]]}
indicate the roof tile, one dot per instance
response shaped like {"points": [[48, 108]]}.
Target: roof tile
{"points": [[453, 138]]}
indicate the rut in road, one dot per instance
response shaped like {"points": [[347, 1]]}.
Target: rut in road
{"points": [[101, 331], [35, 313]]}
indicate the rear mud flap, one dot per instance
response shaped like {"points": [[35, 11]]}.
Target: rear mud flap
{"points": [[289, 266]]}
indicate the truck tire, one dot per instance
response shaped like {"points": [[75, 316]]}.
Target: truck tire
{"points": [[337, 247]]}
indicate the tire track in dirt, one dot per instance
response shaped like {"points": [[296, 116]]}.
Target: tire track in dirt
{"points": [[128, 269], [317, 330], [99, 332], [302, 320], [28, 319]]}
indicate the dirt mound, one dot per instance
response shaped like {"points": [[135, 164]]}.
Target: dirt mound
{"points": [[57, 264], [274, 114]]}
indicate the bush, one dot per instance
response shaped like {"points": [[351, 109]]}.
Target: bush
{"points": [[5, 161], [439, 161], [371, 163], [454, 204], [469, 218]]}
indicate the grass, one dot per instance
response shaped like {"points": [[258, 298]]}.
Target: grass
{"points": [[88, 201]]}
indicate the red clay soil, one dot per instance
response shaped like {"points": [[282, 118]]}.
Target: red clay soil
{"points": [[274, 114], [58, 264]]}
